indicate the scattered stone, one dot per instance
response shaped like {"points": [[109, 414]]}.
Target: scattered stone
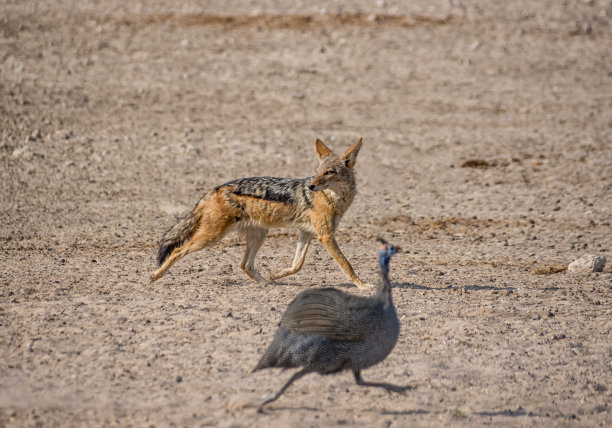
{"points": [[34, 135], [599, 387], [478, 163], [579, 29], [587, 264], [192, 149], [24, 152], [558, 336], [63, 134], [179, 379]]}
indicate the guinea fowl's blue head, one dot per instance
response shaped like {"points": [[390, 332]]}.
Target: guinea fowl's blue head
{"points": [[384, 255]]}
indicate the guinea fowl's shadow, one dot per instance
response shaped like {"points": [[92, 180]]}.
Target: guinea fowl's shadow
{"points": [[273, 409], [472, 287]]}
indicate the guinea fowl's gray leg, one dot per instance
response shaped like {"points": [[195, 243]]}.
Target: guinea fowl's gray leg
{"points": [[388, 386], [295, 377]]}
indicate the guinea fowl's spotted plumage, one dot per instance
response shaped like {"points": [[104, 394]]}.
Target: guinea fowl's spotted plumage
{"points": [[327, 330]]}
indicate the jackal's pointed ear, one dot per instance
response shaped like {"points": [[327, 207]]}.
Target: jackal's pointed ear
{"points": [[322, 149], [350, 156]]}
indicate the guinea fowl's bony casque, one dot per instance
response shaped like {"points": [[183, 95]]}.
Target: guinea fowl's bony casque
{"points": [[327, 330]]}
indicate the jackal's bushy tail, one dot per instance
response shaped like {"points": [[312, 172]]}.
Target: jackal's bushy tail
{"points": [[177, 235]]}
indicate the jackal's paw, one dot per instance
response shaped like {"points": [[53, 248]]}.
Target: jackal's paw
{"points": [[364, 285], [256, 276], [276, 275], [261, 280]]}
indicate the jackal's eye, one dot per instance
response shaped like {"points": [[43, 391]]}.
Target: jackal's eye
{"points": [[330, 172]]}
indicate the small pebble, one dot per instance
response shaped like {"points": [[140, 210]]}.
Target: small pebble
{"points": [[24, 152], [34, 135]]}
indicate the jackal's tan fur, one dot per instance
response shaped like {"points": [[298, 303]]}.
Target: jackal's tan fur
{"points": [[312, 205]]}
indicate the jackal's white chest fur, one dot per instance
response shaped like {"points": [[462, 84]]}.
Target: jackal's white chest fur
{"points": [[340, 201]]}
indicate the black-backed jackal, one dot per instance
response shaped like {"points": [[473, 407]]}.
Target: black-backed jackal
{"points": [[313, 205]]}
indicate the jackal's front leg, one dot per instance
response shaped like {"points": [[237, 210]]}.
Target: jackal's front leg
{"points": [[298, 260], [329, 241]]}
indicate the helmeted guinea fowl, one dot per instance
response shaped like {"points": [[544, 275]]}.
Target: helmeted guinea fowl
{"points": [[326, 330]]}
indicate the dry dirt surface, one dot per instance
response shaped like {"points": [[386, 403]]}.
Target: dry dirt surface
{"points": [[487, 155]]}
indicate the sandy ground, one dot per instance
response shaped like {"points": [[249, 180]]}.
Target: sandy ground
{"points": [[487, 155]]}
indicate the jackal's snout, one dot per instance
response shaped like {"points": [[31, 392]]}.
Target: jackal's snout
{"points": [[317, 183]]}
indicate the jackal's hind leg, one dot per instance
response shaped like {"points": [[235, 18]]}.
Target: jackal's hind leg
{"points": [[255, 237], [207, 234], [298, 260], [180, 252]]}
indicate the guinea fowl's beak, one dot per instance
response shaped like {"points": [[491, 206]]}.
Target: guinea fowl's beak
{"points": [[385, 245]]}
